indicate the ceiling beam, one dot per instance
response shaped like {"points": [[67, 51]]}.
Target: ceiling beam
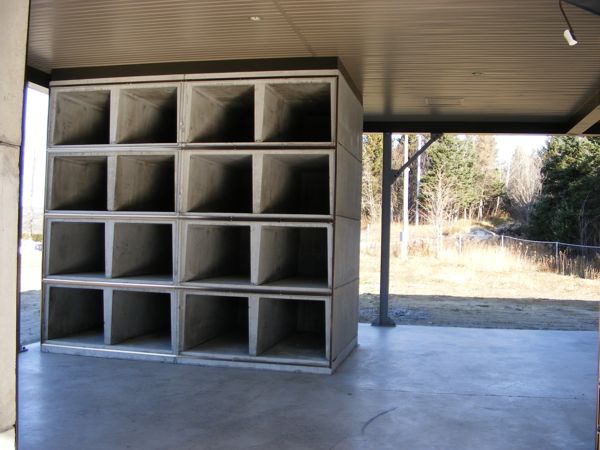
{"points": [[465, 126], [35, 76], [587, 116]]}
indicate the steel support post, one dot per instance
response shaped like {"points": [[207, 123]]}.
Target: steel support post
{"points": [[388, 177], [386, 221]]}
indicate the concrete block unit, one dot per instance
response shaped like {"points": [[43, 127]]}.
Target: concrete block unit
{"points": [[128, 181], [99, 320], [256, 329], [204, 219]]}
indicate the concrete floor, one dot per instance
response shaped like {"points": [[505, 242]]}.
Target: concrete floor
{"points": [[405, 388]]}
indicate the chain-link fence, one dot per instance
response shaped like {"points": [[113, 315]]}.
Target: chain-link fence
{"points": [[567, 259]]}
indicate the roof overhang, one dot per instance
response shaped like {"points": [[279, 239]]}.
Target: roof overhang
{"points": [[463, 66]]}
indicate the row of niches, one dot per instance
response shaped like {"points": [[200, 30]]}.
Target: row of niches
{"points": [[219, 183], [211, 323], [254, 111], [240, 255]]}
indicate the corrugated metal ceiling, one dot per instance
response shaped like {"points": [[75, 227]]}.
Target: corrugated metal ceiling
{"points": [[491, 61]]}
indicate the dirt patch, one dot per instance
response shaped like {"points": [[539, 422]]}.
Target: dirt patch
{"points": [[474, 312]]}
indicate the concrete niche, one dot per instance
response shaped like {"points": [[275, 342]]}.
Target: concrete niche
{"points": [[219, 183], [221, 113], [78, 183], [145, 183], [217, 253], [81, 117], [292, 255], [141, 319], [143, 250], [291, 328], [76, 248], [75, 314], [297, 112], [147, 115], [216, 324], [295, 184]]}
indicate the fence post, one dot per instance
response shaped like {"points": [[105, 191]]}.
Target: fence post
{"points": [[502, 241], [556, 257]]}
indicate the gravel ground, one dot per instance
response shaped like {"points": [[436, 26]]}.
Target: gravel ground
{"points": [[30, 317], [531, 314], [444, 311]]}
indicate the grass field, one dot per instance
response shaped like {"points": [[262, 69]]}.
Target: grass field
{"points": [[480, 270]]}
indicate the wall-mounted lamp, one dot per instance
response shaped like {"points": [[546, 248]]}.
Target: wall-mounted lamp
{"points": [[592, 6], [569, 34]]}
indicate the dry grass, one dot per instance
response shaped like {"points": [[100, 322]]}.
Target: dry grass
{"points": [[479, 270]]}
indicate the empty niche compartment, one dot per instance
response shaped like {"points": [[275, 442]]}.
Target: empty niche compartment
{"points": [[75, 315], [293, 257], [291, 328], [79, 183], [143, 251], [147, 115], [217, 254], [145, 183], [215, 324], [221, 114], [295, 184], [141, 320], [219, 183], [76, 248], [81, 118], [297, 112]]}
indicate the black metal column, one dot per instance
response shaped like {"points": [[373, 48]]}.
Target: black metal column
{"points": [[386, 220]]}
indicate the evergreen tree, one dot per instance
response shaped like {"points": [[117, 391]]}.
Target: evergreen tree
{"points": [[568, 209], [457, 160]]}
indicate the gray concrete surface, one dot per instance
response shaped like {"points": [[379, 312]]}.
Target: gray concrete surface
{"points": [[13, 45], [405, 388]]}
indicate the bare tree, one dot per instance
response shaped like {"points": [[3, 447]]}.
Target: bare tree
{"points": [[524, 183], [439, 204]]}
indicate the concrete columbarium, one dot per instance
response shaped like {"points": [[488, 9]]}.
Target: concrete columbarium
{"points": [[204, 219]]}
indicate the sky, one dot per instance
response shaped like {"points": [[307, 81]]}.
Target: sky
{"points": [[36, 118], [34, 160], [507, 143]]}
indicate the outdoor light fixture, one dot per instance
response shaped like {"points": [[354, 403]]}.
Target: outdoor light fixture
{"points": [[255, 18], [569, 34]]}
